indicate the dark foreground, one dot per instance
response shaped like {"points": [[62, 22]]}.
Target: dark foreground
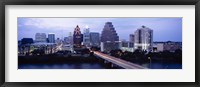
{"points": [[90, 62], [60, 62]]}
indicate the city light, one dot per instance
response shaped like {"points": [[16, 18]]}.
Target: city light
{"points": [[83, 46]]}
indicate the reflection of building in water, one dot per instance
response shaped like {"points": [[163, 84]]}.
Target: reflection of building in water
{"points": [[77, 37], [169, 46], [94, 39], [143, 38]]}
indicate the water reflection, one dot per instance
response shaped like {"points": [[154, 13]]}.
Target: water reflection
{"points": [[94, 66], [62, 66], [163, 65]]}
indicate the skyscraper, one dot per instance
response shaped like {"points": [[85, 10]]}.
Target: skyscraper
{"points": [[94, 39], [131, 37], [77, 37], [40, 37], [70, 37], [51, 38], [109, 33], [143, 38], [86, 37]]}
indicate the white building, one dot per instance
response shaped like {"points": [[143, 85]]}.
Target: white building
{"points": [[143, 38]]}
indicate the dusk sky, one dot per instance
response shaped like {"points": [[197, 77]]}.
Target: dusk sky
{"points": [[164, 29]]}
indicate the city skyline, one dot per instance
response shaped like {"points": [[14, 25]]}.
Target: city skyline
{"points": [[165, 29]]}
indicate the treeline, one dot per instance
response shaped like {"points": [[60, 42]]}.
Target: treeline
{"points": [[52, 58], [143, 56]]}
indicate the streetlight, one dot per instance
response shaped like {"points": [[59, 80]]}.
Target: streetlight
{"points": [[149, 61]]}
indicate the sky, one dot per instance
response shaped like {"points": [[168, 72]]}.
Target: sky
{"points": [[164, 29]]}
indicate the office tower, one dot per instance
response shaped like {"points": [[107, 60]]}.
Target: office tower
{"points": [[95, 39], [109, 33], [51, 38], [86, 37], [143, 38], [70, 38], [131, 37], [77, 37], [40, 37]]}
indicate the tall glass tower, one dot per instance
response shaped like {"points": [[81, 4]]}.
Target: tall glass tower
{"points": [[86, 37], [51, 38]]}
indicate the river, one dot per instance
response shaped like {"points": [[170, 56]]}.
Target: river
{"points": [[94, 66]]}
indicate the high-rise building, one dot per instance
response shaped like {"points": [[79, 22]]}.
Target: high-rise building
{"points": [[95, 39], [77, 37], [68, 39], [109, 33], [86, 37], [51, 38], [40, 37], [131, 37], [143, 38], [108, 46]]}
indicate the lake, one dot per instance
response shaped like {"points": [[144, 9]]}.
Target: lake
{"points": [[94, 66]]}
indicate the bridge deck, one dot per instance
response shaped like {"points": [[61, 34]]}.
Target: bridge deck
{"points": [[119, 62]]}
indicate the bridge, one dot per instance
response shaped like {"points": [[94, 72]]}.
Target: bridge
{"points": [[118, 62]]}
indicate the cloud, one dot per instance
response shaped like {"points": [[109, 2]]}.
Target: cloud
{"points": [[51, 23], [163, 27]]}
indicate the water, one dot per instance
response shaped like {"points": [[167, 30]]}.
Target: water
{"points": [[95, 66], [62, 66], [163, 65]]}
